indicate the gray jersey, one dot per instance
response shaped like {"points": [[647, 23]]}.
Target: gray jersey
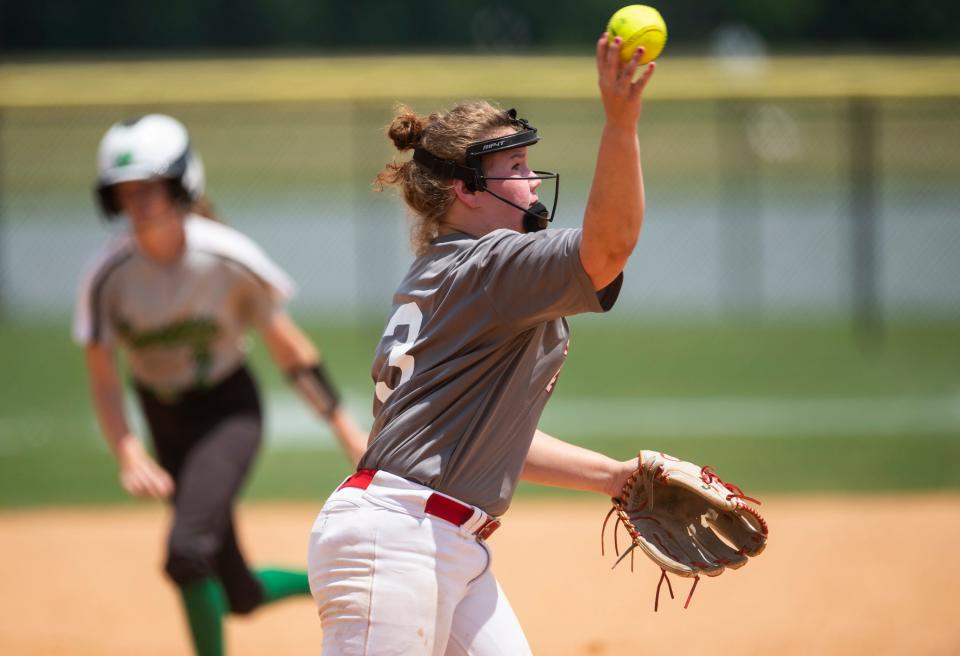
{"points": [[470, 356], [183, 324]]}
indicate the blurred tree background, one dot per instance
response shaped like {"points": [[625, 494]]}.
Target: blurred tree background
{"points": [[541, 25]]}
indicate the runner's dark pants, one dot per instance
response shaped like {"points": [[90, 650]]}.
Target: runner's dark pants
{"points": [[207, 440]]}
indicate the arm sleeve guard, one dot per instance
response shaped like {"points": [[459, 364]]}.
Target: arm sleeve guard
{"points": [[315, 386]]}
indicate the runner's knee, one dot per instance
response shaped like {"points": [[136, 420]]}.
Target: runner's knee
{"points": [[244, 599], [190, 556]]}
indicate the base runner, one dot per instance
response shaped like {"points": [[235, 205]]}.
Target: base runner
{"points": [[177, 295]]}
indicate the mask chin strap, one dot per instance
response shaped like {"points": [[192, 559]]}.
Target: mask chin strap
{"points": [[536, 217]]}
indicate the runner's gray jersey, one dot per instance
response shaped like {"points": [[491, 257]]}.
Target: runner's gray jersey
{"points": [[470, 356], [183, 324]]}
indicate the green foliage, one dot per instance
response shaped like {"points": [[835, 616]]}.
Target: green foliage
{"points": [[435, 24]]}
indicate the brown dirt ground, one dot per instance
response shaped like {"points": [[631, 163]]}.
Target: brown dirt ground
{"points": [[841, 575]]}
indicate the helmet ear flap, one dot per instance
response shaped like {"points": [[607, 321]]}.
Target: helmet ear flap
{"points": [[179, 193], [107, 201]]}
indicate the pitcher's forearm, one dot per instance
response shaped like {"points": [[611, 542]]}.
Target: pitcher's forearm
{"points": [[611, 222], [559, 464], [615, 207]]}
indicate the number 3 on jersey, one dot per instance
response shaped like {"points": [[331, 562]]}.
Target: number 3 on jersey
{"points": [[406, 315]]}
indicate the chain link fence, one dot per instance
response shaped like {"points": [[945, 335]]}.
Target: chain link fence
{"points": [[756, 209]]}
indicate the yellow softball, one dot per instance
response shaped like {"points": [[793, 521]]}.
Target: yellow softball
{"points": [[639, 25]]}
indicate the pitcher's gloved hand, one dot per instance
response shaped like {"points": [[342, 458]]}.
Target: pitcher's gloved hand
{"points": [[686, 519]]}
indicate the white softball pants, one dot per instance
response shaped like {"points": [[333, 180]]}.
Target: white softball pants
{"points": [[390, 579]]}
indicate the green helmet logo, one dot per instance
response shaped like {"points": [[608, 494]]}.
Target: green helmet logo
{"points": [[124, 159]]}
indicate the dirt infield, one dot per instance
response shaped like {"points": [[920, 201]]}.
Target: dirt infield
{"points": [[851, 575]]}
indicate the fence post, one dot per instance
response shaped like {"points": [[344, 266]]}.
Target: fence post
{"points": [[867, 319], [740, 211]]}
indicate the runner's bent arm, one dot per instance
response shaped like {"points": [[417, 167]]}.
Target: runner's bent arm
{"points": [[560, 464], [295, 354], [139, 474]]}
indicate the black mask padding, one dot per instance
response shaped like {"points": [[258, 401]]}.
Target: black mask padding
{"points": [[536, 217]]}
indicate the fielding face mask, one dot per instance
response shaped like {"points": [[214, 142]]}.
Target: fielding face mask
{"points": [[536, 217]]}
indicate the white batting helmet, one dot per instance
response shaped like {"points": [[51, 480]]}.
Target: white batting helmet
{"points": [[148, 147]]}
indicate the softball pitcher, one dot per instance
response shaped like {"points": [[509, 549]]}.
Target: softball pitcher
{"points": [[177, 294], [398, 558]]}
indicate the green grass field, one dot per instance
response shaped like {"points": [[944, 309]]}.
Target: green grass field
{"points": [[617, 375]]}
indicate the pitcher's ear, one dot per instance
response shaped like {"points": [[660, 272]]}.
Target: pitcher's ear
{"points": [[464, 194]]}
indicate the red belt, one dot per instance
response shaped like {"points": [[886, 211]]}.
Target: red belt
{"points": [[437, 505]]}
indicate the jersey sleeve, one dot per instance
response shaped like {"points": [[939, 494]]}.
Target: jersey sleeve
{"points": [[273, 288], [532, 278], [91, 316], [258, 299]]}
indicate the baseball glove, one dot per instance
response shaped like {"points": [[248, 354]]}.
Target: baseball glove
{"points": [[685, 519]]}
